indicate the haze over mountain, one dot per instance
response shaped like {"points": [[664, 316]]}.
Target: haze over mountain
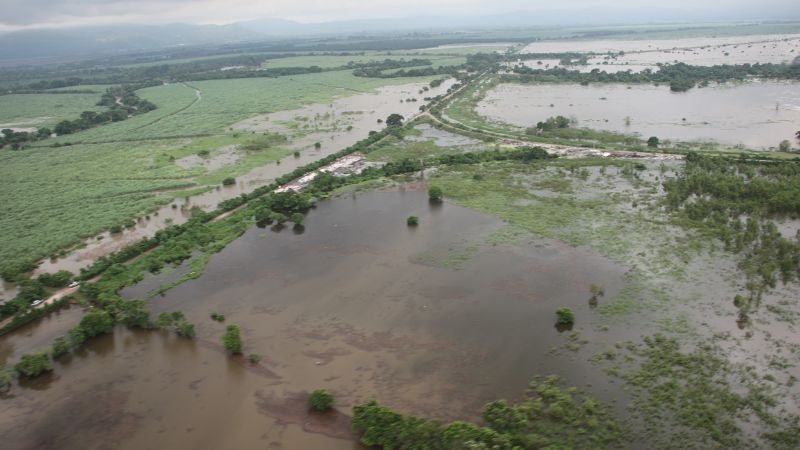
{"points": [[31, 43]]}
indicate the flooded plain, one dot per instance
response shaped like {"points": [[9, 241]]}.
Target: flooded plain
{"points": [[616, 55], [434, 320], [753, 114], [338, 125]]}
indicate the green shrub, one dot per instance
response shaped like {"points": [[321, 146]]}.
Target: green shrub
{"points": [[218, 317], [320, 400], [412, 221], [96, 323], [32, 365], [5, 379], [565, 316], [435, 193], [232, 339], [230, 181], [60, 347]]}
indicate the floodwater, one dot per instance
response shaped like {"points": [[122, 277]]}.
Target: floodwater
{"points": [[443, 138], [647, 54], [360, 113], [218, 159], [433, 320], [754, 114]]}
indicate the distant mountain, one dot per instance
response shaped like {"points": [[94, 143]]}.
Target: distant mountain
{"points": [[67, 44], [62, 44], [548, 18]]}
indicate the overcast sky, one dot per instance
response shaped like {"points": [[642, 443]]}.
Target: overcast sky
{"points": [[36, 13]]}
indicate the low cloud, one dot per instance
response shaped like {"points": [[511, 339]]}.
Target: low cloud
{"points": [[34, 13]]}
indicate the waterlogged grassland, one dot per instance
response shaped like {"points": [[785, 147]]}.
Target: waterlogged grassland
{"points": [[44, 110], [108, 175], [185, 112], [462, 110], [691, 392], [80, 190], [76, 191]]}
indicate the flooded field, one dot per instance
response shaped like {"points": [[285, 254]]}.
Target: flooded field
{"points": [[433, 320], [637, 55], [755, 115], [442, 138], [338, 125]]}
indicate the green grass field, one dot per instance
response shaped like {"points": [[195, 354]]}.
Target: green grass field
{"points": [[224, 102], [44, 110]]}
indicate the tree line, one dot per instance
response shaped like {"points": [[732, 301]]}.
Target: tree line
{"points": [[121, 101], [680, 76], [549, 417]]}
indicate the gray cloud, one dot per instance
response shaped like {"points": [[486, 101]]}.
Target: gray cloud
{"points": [[25, 13]]}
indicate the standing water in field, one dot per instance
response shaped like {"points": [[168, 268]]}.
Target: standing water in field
{"points": [[755, 114], [355, 115], [435, 320]]}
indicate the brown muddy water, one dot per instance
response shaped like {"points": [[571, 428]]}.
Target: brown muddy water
{"points": [[753, 114], [434, 320], [354, 116]]}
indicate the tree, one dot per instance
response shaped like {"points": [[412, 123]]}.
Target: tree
{"points": [[435, 193], [565, 316], [230, 181], [254, 358], [412, 221], [55, 280], [232, 339], [320, 400], [5, 379], [218, 317], [76, 336], [278, 218], [784, 146], [185, 329], [133, 314], [32, 365], [652, 142], [297, 218], [60, 347], [394, 120], [502, 417], [96, 323]]}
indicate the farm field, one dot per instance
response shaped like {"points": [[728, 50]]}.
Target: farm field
{"points": [[122, 170], [43, 110], [504, 256]]}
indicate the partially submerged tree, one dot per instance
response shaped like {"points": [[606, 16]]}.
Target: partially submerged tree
{"points": [[32, 365], [435, 193], [232, 339], [320, 400], [565, 316], [394, 120]]}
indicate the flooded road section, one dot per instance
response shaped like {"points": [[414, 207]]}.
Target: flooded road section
{"points": [[355, 115], [754, 114], [434, 320]]}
